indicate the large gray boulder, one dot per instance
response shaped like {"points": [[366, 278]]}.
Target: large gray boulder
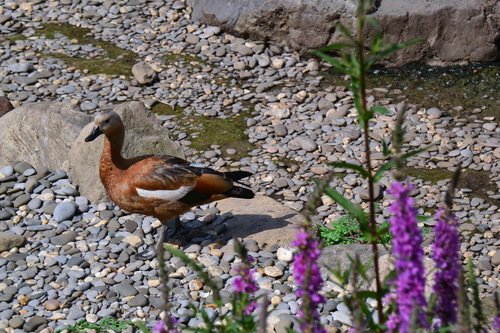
{"points": [[451, 31], [143, 135], [40, 134], [301, 24]]}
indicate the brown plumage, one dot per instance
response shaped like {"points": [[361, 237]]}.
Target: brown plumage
{"points": [[160, 186]]}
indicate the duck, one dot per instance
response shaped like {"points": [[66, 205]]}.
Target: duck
{"points": [[161, 186]]}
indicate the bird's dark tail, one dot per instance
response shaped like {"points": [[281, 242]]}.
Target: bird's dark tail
{"points": [[240, 192], [237, 175]]}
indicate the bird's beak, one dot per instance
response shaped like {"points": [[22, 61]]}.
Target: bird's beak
{"points": [[96, 131]]}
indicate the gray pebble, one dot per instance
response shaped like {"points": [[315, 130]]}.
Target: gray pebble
{"points": [[64, 211]]}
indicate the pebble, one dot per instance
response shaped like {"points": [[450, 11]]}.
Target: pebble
{"points": [[33, 323], [284, 254], [64, 211], [51, 304], [273, 271], [306, 143]]}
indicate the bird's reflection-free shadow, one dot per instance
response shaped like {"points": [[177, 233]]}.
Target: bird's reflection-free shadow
{"points": [[250, 224]]}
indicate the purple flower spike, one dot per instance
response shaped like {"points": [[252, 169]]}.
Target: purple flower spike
{"points": [[308, 279], [161, 326], [245, 282], [445, 252], [496, 324], [408, 252]]}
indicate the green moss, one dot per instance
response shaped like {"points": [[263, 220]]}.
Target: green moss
{"points": [[478, 181], [107, 324], [471, 87], [172, 58], [430, 175], [163, 109], [227, 133], [50, 30], [15, 37], [116, 61]]}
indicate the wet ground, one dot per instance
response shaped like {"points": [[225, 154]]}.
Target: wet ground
{"points": [[458, 90]]}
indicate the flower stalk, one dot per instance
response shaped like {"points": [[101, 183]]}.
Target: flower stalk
{"points": [[409, 255]]}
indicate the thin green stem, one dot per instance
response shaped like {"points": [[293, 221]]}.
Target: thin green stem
{"points": [[162, 271], [366, 128]]}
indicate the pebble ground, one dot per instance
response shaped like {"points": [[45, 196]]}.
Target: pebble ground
{"points": [[79, 259]]}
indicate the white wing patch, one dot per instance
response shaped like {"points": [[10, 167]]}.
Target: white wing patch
{"points": [[168, 195]]}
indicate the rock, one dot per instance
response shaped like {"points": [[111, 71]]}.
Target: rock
{"points": [[21, 200], [22, 130], [261, 219], [338, 257], [33, 323], [469, 33], [434, 113], [306, 143], [7, 171], [143, 73], [64, 238], [5, 106], [284, 254], [16, 322], [143, 135], [133, 240], [125, 290], [300, 24], [138, 300], [273, 271], [64, 211], [21, 67], [51, 304], [9, 241], [343, 317], [495, 260], [280, 129], [450, 32]]}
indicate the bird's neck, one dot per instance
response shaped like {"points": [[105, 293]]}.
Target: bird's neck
{"points": [[112, 152], [112, 161]]}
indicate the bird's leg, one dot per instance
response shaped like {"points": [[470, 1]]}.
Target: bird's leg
{"points": [[168, 230], [173, 226]]}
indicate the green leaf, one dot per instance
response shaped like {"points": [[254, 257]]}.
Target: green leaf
{"points": [[380, 109], [385, 148], [141, 326], [356, 167], [355, 210], [336, 46], [392, 163], [388, 50], [423, 218], [335, 62], [383, 169]]}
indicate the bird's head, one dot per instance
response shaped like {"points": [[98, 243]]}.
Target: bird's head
{"points": [[108, 123]]}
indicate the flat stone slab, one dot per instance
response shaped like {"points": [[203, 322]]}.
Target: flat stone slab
{"points": [[262, 219]]}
